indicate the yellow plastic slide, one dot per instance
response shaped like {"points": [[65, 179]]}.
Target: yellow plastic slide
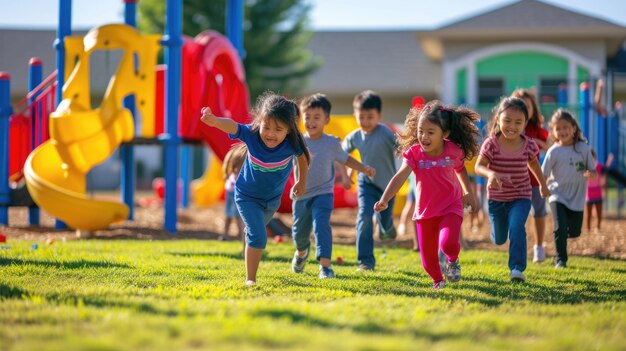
{"points": [[82, 137]]}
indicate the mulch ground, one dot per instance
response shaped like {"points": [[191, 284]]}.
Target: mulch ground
{"points": [[207, 223]]}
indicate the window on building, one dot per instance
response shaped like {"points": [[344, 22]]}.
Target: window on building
{"points": [[549, 89], [490, 90]]}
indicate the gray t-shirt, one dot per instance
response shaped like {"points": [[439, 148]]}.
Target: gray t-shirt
{"points": [[563, 168], [377, 150], [324, 152]]}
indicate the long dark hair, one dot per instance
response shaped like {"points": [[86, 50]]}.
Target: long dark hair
{"points": [[272, 106], [458, 121]]}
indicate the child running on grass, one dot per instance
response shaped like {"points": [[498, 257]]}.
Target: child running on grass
{"points": [[311, 211], [376, 144], [567, 166], [272, 140], [435, 145], [232, 165], [504, 159]]}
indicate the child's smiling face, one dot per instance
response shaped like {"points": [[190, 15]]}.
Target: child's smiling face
{"points": [[430, 137], [314, 121], [367, 119], [512, 123]]}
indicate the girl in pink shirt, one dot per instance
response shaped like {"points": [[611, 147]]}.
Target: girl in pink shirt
{"points": [[504, 159], [436, 142]]}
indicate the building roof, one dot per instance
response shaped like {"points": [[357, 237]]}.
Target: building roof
{"points": [[523, 20], [389, 62]]}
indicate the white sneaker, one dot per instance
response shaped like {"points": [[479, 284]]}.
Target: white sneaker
{"points": [[517, 275], [539, 253]]}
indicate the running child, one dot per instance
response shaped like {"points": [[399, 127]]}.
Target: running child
{"points": [[435, 145], [232, 165], [504, 159], [567, 166], [311, 210], [273, 140]]}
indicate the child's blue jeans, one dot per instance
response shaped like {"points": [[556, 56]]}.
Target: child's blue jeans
{"points": [[369, 194], [508, 220], [255, 215], [313, 214]]}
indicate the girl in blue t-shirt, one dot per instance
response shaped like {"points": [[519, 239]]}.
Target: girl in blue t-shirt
{"points": [[272, 140]]}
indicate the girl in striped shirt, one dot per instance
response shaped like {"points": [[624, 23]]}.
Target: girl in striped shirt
{"points": [[504, 159]]}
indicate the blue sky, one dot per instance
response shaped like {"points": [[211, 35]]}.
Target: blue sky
{"points": [[326, 14]]}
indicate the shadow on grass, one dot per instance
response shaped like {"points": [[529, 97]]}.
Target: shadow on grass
{"points": [[9, 292], [62, 264]]}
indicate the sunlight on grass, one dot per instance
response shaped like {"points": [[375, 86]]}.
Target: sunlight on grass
{"points": [[189, 294]]}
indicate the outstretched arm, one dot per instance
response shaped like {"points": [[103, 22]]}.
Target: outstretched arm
{"points": [[224, 124], [356, 165], [394, 185]]}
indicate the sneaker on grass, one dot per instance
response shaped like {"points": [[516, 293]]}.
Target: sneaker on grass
{"points": [[560, 265], [517, 276], [364, 267], [298, 263], [439, 285], [326, 272], [453, 271], [539, 253]]}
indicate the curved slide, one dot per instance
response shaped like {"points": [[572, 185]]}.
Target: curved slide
{"points": [[82, 137]]}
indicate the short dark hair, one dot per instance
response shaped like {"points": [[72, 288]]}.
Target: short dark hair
{"points": [[316, 101], [367, 100]]}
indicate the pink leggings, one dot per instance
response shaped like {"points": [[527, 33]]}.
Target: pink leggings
{"points": [[438, 232]]}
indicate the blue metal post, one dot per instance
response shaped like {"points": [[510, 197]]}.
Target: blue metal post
{"points": [[185, 174], [562, 95], [127, 152], [35, 76], [234, 24], [64, 29], [5, 113], [585, 108], [172, 40]]}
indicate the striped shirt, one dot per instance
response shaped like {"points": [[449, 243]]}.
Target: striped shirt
{"points": [[511, 167]]}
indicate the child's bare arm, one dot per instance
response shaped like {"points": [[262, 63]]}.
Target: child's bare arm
{"points": [[469, 198], [356, 165], [346, 181], [224, 124], [535, 169], [302, 170], [493, 179], [394, 185]]}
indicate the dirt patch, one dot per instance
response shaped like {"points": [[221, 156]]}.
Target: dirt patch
{"points": [[207, 223]]}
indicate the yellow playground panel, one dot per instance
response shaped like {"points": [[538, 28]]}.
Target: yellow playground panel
{"points": [[82, 137]]}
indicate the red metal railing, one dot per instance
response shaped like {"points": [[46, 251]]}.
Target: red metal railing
{"points": [[29, 124]]}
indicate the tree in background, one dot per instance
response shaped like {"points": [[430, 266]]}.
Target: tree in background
{"points": [[276, 34]]}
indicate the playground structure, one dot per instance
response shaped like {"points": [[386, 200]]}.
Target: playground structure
{"points": [[53, 150], [78, 136]]}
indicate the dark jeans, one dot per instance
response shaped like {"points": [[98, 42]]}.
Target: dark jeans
{"points": [[508, 220], [567, 224]]}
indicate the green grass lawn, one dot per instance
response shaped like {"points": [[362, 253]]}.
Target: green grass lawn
{"points": [[189, 294]]}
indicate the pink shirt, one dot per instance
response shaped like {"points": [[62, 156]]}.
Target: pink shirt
{"points": [[437, 189], [594, 186], [512, 167]]}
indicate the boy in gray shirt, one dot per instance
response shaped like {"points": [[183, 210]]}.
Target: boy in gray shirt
{"points": [[312, 210], [376, 144]]}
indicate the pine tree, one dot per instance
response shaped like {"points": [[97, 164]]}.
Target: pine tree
{"points": [[276, 34]]}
